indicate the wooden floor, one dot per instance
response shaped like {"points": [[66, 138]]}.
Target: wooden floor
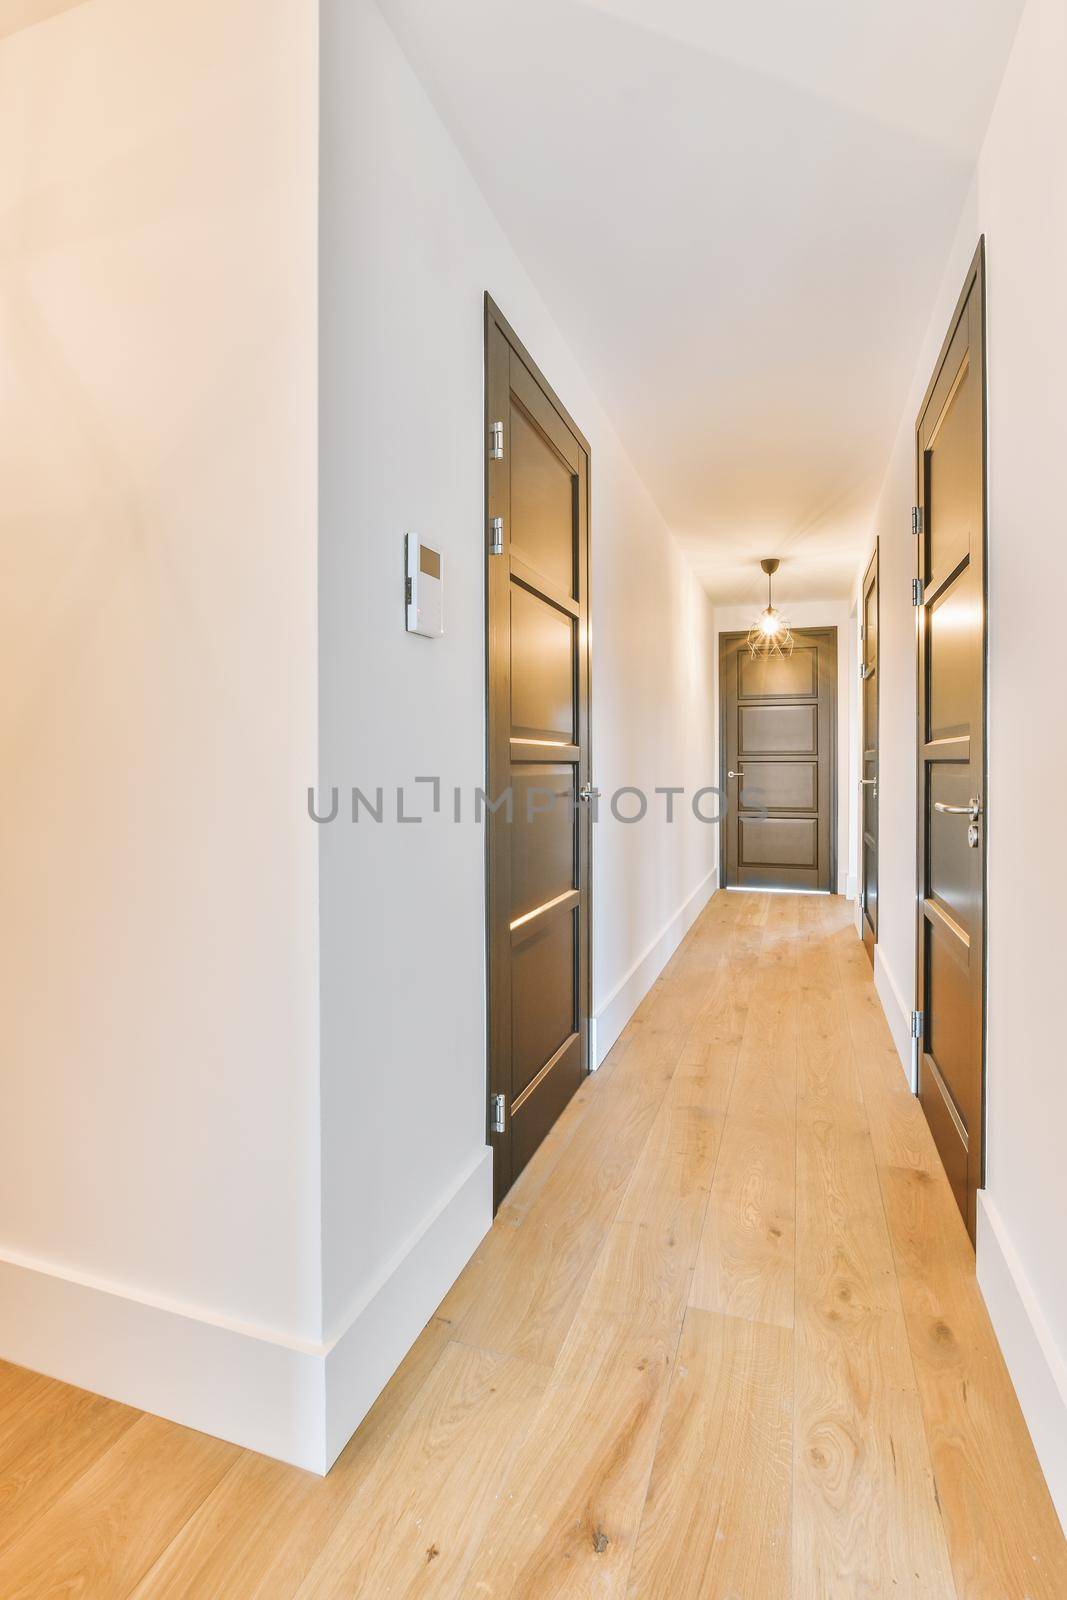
{"points": [[724, 1340]]}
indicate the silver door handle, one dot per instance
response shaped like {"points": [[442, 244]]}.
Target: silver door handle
{"points": [[586, 792], [735, 774], [973, 809], [868, 780]]}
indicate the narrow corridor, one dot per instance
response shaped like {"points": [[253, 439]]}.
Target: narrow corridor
{"points": [[724, 1339]]}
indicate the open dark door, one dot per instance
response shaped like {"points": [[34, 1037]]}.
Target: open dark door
{"points": [[539, 834], [951, 599], [869, 757]]}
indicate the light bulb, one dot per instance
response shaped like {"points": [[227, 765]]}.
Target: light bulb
{"points": [[770, 623]]}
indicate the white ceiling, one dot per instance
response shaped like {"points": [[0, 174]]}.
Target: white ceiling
{"points": [[739, 212]]}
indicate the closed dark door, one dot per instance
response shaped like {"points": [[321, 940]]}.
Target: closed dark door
{"points": [[950, 444], [539, 833], [778, 752], [869, 757]]}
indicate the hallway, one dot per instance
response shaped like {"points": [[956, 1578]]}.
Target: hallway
{"points": [[724, 1339]]}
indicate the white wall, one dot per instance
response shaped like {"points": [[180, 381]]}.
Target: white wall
{"points": [[228, 1249], [1019, 201], [408, 247], [158, 1009], [818, 614]]}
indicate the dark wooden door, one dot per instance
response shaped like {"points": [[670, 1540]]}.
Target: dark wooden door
{"points": [[778, 755], [539, 834], [950, 460], [869, 757]]}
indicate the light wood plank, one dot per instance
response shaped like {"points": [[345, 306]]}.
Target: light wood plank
{"points": [[50, 1434], [866, 1519], [744, 1264], [414, 1523], [17, 1384], [567, 1521], [899, 1131], [262, 1527], [646, 1263], [765, 1082], [570, 1513], [1003, 1534], [828, 1079], [717, 1517], [105, 1531], [521, 1291]]}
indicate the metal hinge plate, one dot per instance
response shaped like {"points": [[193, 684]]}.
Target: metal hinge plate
{"points": [[917, 1024], [496, 441], [916, 591], [497, 1113], [496, 536], [916, 519]]}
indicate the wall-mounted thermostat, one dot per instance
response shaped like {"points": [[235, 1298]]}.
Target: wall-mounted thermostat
{"points": [[425, 589]]}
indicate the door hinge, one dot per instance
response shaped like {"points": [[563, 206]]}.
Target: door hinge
{"points": [[917, 1024], [496, 536], [916, 519], [916, 591], [496, 441], [497, 1113], [863, 631]]}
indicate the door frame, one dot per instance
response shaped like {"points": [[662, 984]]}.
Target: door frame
{"points": [[497, 892], [798, 633], [975, 279], [870, 942]]}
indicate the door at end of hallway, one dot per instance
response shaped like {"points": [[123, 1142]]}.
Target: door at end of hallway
{"points": [[778, 754]]}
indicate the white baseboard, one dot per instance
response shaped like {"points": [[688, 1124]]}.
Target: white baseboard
{"points": [[294, 1400], [627, 995], [1038, 1369], [897, 1012], [237, 1383], [362, 1359]]}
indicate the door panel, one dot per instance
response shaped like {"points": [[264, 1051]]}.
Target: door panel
{"points": [[767, 676], [950, 472], [779, 842], [951, 679], [779, 736], [953, 493], [780, 730], [783, 785], [542, 669], [869, 758], [537, 484], [949, 1040], [544, 836], [543, 996], [542, 512]]}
